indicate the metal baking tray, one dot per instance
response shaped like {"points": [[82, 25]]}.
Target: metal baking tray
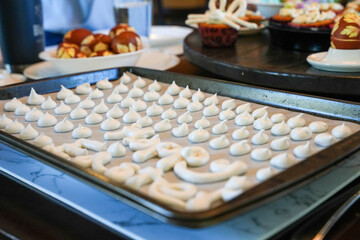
{"points": [[266, 191]]}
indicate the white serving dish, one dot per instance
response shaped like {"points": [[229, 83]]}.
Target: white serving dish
{"points": [[267, 10]]}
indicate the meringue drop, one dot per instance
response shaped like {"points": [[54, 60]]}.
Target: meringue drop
{"points": [[121, 88], [240, 134], [63, 93], [198, 136], [264, 174], [260, 138], [145, 121], [4, 121], [303, 151], [202, 123], [34, 98], [48, 104], [93, 118], [139, 82], [324, 139], [83, 89], [136, 92], [219, 142], [301, 134], [47, 120], [62, 109], [151, 96], [14, 127], [341, 131], [115, 111], [185, 93], [166, 99], [87, 103], [280, 129], [78, 113], [283, 160], [181, 103], [228, 104], [263, 122], [101, 107], [127, 102], [246, 107], [278, 118], [258, 113], [244, 119], [117, 149], [211, 110], [261, 154], [198, 96], [154, 110], [181, 131], [22, 110], [139, 106], [125, 79], [104, 84], [210, 100], [297, 121], [96, 94], [64, 126], [114, 97], [318, 127], [240, 148], [227, 114], [194, 106], [72, 99], [117, 135], [81, 132], [162, 126], [237, 182], [195, 156], [280, 144], [131, 116], [12, 105], [43, 140], [28, 133], [169, 114], [110, 124], [220, 128], [185, 118], [155, 86], [173, 89]]}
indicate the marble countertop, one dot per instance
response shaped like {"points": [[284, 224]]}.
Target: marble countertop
{"points": [[260, 223]]}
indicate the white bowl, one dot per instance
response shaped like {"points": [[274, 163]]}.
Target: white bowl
{"points": [[76, 65], [267, 10], [343, 56]]}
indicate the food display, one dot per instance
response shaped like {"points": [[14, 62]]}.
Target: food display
{"points": [[82, 43], [185, 148]]}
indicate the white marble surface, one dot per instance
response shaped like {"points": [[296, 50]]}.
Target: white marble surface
{"points": [[260, 223]]}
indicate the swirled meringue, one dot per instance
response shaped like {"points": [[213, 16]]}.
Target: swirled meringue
{"points": [[185, 118], [261, 154], [301, 134], [264, 174], [127, 102], [139, 82], [114, 97], [283, 160], [93, 118], [21, 110], [101, 107], [62, 109], [244, 119], [228, 104], [211, 110], [155, 86], [342, 131], [4, 121], [64, 126], [258, 113], [47, 120], [194, 106], [151, 96], [48, 104], [181, 103], [78, 113], [12, 105], [280, 144], [219, 142], [212, 99], [28, 133], [278, 118], [237, 182], [173, 89], [125, 79], [14, 127], [220, 128], [136, 92], [199, 135], [240, 148], [139, 105], [63, 93], [117, 149], [240, 134], [131, 116], [263, 122], [104, 84], [185, 93], [260, 138], [169, 114], [154, 110], [246, 107], [34, 98], [87, 103], [165, 149], [72, 99], [318, 127], [110, 124], [324, 139], [116, 135], [198, 96], [280, 129], [81, 132], [227, 114], [145, 121], [121, 88], [202, 123], [83, 89], [195, 156], [303, 151], [297, 121], [181, 131], [115, 111], [166, 99], [42, 140], [162, 126], [96, 94]]}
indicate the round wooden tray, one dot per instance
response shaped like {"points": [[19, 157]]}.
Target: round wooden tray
{"points": [[254, 60]]}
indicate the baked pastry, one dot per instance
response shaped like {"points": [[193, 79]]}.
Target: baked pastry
{"points": [[126, 42]]}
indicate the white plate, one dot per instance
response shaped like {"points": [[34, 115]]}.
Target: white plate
{"points": [[317, 60], [151, 59], [168, 35], [247, 31]]}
